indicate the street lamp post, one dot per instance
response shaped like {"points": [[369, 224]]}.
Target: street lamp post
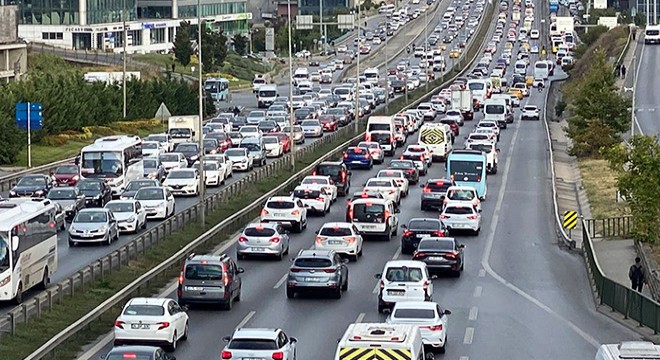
{"points": [[426, 48], [357, 79], [387, 82], [291, 118], [202, 176], [125, 39]]}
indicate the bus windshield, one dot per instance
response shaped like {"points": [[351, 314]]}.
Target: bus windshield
{"points": [[102, 164], [466, 170], [4, 251]]}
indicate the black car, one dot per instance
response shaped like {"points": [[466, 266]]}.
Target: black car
{"points": [[189, 150], [134, 185], [338, 172], [313, 63], [418, 229], [365, 194], [70, 198], [441, 254], [211, 146], [137, 353], [35, 185], [399, 86], [97, 192], [434, 192], [267, 126], [409, 170]]}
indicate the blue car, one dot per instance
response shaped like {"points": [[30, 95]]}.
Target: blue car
{"points": [[355, 157]]}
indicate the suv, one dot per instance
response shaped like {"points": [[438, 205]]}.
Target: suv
{"points": [[259, 343], [530, 112], [209, 279], [433, 193], [403, 280], [317, 270], [338, 172], [285, 210]]}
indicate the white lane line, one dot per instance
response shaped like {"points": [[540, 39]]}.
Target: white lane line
{"points": [[464, 358], [246, 319], [397, 253], [474, 312], [634, 86], [97, 347], [482, 273], [281, 281], [477, 292], [360, 318], [376, 288], [485, 260], [469, 336]]}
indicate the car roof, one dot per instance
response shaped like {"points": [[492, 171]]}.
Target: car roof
{"points": [[281, 198], [147, 301], [263, 225], [142, 349], [331, 163], [196, 259], [316, 253], [255, 333], [407, 263], [337, 224], [415, 305], [94, 210]]}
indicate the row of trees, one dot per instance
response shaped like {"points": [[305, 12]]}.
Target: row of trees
{"points": [[214, 46], [70, 103]]}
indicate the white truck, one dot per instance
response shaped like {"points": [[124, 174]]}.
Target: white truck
{"points": [[184, 128], [112, 77], [462, 100]]}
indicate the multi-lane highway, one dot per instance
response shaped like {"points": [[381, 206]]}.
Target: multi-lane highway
{"points": [[520, 296], [647, 105]]}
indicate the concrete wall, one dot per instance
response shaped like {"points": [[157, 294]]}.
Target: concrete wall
{"points": [[8, 24]]}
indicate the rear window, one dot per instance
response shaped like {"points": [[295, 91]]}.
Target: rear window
{"points": [[653, 32], [312, 262], [252, 344], [440, 186], [259, 231], [307, 194], [424, 225], [369, 212], [203, 272], [541, 65], [436, 245], [357, 151], [379, 183], [328, 170], [459, 210], [414, 314], [380, 137], [404, 274], [335, 231], [414, 157], [390, 174], [280, 205], [146, 310], [128, 355]]}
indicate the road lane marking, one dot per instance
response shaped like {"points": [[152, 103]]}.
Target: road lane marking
{"points": [[490, 240], [281, 281], [464, 358], [469, 336], [360, 318], [634, 86], [97, 347], [246, 319], [473, 313], [377, 288], [482, 273], [397, 253], [477, 291]]}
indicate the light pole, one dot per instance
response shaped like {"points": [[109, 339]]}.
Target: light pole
{"points": [[357, 79], [291, 118], [387, 82], [426, 47], [321, 28], [124, 32], [202, 176]]}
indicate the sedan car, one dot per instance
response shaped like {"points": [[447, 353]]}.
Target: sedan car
{"points": [[34, 185], [273, 146], [134, 185], [153, 169], [341, 237], [66, 175], [173, 161], [130, 214], [317, 271], [261, 343], [312, 128], [158, 321], [461, 217], [137, 352], [530, 112], [70, 198], [189, 150], [263, 239], [93, 225], [419, 229], [441, 254], [314, 199], [184, 182], [158, 201], [429, 316], [298, 133], [97, 192]]}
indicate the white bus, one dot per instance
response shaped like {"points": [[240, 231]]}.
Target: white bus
{"points": [[28, 246], [116, 159]]}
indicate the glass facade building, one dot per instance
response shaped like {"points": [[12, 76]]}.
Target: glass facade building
{"points": [[110, 11], [222, 8], [48, 12], [312, 7]]}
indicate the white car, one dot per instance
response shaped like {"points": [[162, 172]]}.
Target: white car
{"points": [[342, 237], [240, 159], [428, 111], [273, 146], [491, 151], [172, 161], [484, 124], [428, 316], [421, 149], [152, 148], [250, 131], [388, 188], [183, 182], [223, 161], [260, 343], [285, 210], [318, 181], [404, 280], [152, 321], [130, 215], [214, 174], [399, 177], [461, 217], [455, 115], [490, 133], [534, 34], [530, 112], [374, 149], [461, 194], [158, 201], [314, 199]]}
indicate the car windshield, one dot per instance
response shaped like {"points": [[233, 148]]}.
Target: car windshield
{"points": [[125, 354], [181, 175], [335, 231], [120, 207], [312, 262], [456, 210], [404, 274], [414, 157], [328, 170], [150, 164], [460, 195], [67, 170], [270, 140], [401, 165], [186, 148], [280, 204], [91, 217], [315, 181], [144, 310], [369, 212], [466, 170], [436, 245], [249, 129], [89, 185], [259, 231], [310, 123], [424, 225], [252, 344], [203, 272], [211, 143], [414, 314], [251, 146], [158, 138], [62, 194], [210, 166], [169, 158], [149, 194], [235, 152], [150, 145], [390, 174], [32, 181]]}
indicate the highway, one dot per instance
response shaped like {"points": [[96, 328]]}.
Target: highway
{"points": [[646, 99], [520, 296]]}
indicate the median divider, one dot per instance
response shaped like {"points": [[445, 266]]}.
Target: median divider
{"points": [[133, 250]]}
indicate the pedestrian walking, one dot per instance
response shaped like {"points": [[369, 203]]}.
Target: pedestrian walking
{"points": [[617, 70], [634, 33], [623, 71], [637, 275], [173, 67]]}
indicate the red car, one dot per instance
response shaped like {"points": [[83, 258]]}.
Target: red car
{"points": [[284, 140], [392, 71], [329, 122], [66, 175], [453, 125]]}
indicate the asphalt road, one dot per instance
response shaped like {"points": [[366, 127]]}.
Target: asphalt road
{"points": [[647, 105], [520, 296]]}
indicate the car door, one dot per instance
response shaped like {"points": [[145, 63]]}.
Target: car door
{"points": [[113, 231], [235, 278], [303, 210], [179, 317], [169, 199], [427, 278], [140, 213], [106, 193], [286, 346], [441, 315]]}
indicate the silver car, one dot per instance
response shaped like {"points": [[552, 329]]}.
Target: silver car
{"points": [[93, 225], [269, 239], [461, 217], [248, 343], [312, 128], [298, 133], [317, 271]]}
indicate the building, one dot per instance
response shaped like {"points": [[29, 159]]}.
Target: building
{"points": [[283, 9], [98, 25], [313, 7], [13, 51]]}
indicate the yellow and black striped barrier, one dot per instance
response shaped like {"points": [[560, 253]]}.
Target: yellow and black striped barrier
{"points": [[374, 354], [570, 219]]}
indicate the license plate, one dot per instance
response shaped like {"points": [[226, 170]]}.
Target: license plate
{"points": [[194, 288], [278, 215], [356, 162], [254, 249], [395, 292], [421, 236], [335, 242], [311, 279], [368, 226], [87, 235], [140, 326], [251, 359], [460, 226], [436, 258]]}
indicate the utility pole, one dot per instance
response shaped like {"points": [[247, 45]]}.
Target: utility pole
{"points": [[321, 28], [291, 118], [202, 175], [426, 48], [387, 82], [125, 33], [634, 86], [357, 79]]}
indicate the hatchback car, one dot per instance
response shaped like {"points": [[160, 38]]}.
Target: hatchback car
{"points": [[321, 182], [338, 172], [399, 177], [298, 133], [433, 193], [285, 210], [240, 159], [419, 229], [93, 226], [263, 239], [530, 112], [356, 157], [428, 316], [97, 192], [409, 169], [341, 237], [312, 128], [377, 154], [158, 201], [173, 161], [158, 321], [209, 279], [247, 343], [315, 199], [256, 150], [134, 185], [70, 199], [461, 217], [317, 271], [66, 175], [441, 254], [130, 214]]}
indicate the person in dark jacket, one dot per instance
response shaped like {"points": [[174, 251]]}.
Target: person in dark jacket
{"points": [[637, 275]]}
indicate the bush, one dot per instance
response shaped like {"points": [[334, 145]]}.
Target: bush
{"points": [[592, 140], [55, 140]]}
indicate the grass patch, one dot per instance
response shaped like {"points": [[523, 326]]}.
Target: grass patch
{"points": [[30, 336], [600, 183]]}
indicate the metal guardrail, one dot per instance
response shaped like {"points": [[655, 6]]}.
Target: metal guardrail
{"points": [[622, 299], [615, 227], [7, 182]]}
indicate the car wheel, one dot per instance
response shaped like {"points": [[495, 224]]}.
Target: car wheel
{"points": [[110, 238], [286, 251], [185, 333], [290, 294], [443, 349], [45, 281], [476, 233], [381, 308], [173, 343], [355, 257], [229, 305], [345, 286], [279, 256], [238, 295], [144, 224], [72, 243], [337, 293], [240, 256], [298, 227]]}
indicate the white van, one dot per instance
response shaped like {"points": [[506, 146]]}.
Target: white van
{"points": [[383, 123], [301, 74], [520, 67], [481, 90], [495, 110], [403, 280], [438, 139], [541, 70], [374, 217], [382, 341], [372, 75], [652, 34], [637, 350], [266, 95]]}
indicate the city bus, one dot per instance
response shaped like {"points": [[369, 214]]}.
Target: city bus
{"points": [[116, 159], [28, 246], [468, 168], [218, 88]]}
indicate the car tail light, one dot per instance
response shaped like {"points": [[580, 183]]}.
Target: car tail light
{"points": [[180, 278], [275, 240], [442, 216], [479, 179], [382, 284], [439, 233], [295, 270], [242, 239], [418, 254], [278, 355], [387, 214], [350, 239], [163, 325], [319, 239], [295, 212], [119, 324], [451, 255], [264, 212], [367, 155], [472, 217], [392, 191], [433, 327], [330, 270], [427, 189], [345, 156], [407, 233], [225, 276], [314, 173], [226, 354], [129, 356], [350, 213], [426, 285], [343, 176], [321, 199]]}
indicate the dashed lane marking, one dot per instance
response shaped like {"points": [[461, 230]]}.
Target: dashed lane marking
{"points": [[474, 311], [469, 336], [246, 319], [281, 281], [360, 318], [477, 291]]}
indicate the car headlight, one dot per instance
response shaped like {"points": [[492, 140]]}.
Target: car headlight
{"points": [[152, 175], [131, 219], [12, 193], [70, 208], [244, 160], [75, 178], [102, 229], [39, 192]]}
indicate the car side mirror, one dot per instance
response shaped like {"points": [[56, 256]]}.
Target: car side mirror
{"points": [[293, 340], [378, 276], [447, 312], [403, 226], [422, 185], [345, 261], [184, 308], [240, 270], [461, 246], [433, 277], [429, 356], [397, 210]]}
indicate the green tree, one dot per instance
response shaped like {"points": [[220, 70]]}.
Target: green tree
{"points": [[182, 46], [240, 44], [638, 170], [214, 48]]}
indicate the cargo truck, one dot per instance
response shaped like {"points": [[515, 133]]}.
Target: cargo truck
{"points": [[184, 128], [462, 100]]}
